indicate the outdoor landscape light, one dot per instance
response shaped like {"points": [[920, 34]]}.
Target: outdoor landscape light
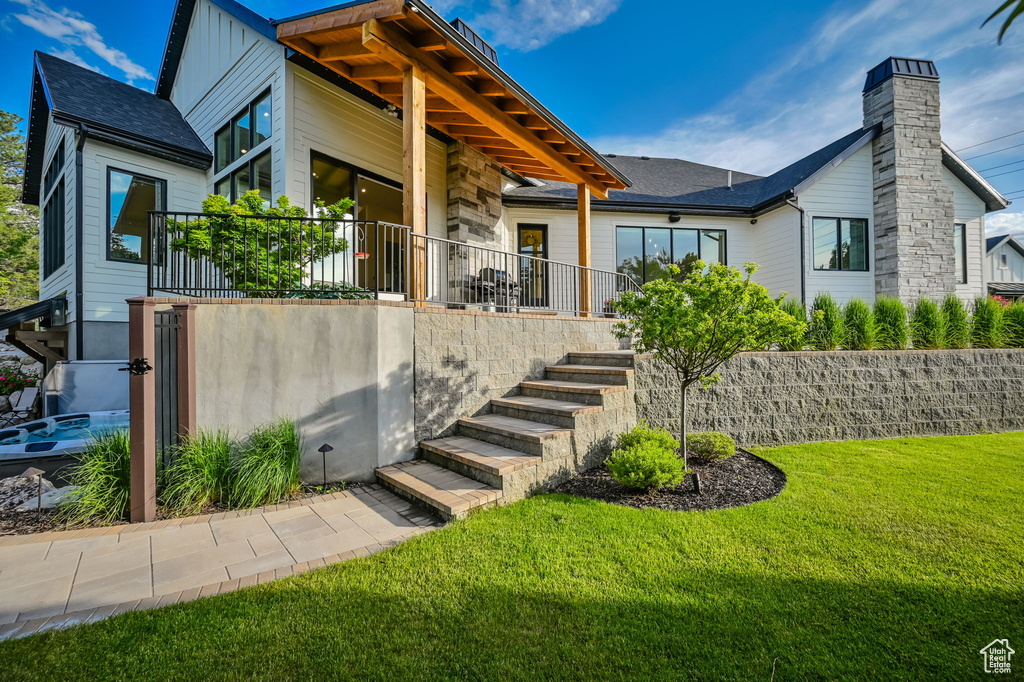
{"points": [[323, 450]]}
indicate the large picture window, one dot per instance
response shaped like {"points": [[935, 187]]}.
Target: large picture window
{"points": [[130, 198], [54, 214], [960, 249], [376, 197], [840, 244], [644, 253]]}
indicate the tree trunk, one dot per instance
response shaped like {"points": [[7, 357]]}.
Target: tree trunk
{"points": [[682, 420]]}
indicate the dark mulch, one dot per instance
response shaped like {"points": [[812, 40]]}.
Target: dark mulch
{"points": [[740, 480]]}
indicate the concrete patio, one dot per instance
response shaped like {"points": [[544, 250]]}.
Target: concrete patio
{"points": [[59, 579]]}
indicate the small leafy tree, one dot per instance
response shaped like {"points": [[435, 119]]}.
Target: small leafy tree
{"points": [[259, 248], [697, 323]]}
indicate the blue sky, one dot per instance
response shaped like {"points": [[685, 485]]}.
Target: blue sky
{"points": [[747, 85]]}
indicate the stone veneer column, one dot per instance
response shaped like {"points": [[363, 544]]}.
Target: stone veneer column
{"points": [[913, 209], [474, 197]]}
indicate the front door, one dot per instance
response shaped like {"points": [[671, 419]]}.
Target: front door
{"points": [[533, 241]]}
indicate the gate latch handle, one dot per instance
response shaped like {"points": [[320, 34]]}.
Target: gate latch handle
{"points": [[138, 367]]}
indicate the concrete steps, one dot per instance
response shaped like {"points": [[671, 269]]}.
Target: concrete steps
{"points": [[530, 441]]}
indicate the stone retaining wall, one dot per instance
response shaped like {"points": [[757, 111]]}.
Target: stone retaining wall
{"points": [[464, 358], [777, 398]]}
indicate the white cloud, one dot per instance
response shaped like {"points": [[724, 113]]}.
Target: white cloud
{"points": [[72, 30], [812, 95], [1005, 222], [69, 55]]}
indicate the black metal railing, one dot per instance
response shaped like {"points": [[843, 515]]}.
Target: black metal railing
{"points": [[229, 256]]}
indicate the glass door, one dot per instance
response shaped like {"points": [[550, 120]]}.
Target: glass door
{"points": [[533, 241]]}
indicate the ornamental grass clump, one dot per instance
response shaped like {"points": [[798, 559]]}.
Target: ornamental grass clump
{"points": [[1013, 318], [893, 332], [267, 469], [859, 324], [987, 323], [927, 326], [200, 472], [712, 446], [646, 457], [798, 311], [956, 322], [826, 331], [103, 477]]}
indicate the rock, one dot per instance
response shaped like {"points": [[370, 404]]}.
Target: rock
{"points": [[15, 397], [26, 360], [49, 499], [17, 490], [10, 357], [5, 404]]}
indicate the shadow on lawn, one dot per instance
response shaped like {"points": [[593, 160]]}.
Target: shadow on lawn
{"points": [[385, 618]]}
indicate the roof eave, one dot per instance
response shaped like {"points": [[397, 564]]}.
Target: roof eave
{"points": [[611, 206], [994, 201], [121, 138]]}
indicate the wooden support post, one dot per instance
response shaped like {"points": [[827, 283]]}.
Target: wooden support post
{"points": [[142, 403], [414, 173], [583, 216], [186, 368]]}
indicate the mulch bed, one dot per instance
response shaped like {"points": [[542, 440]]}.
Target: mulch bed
{"points": [[738, 481]]}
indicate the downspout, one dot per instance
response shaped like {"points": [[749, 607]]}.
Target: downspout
{"points": [[803, 251], [83, 132]]}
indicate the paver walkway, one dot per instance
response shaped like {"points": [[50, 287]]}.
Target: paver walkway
{"points": [[52, 580]]}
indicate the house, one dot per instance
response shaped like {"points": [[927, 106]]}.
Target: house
{"points": [[1004, 266], [311, 107]]}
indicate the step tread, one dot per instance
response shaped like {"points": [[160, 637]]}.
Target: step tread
{"points": [[560, 407], [441, 488], [572, 386], [523, 429], [592, 369], [488, 457], [603, 353]]}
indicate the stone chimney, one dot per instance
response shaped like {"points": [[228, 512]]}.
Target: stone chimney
{"points": [[914, 246]]}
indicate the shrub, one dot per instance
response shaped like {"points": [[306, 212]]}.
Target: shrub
{"points": [[956, 322], [200, 472], [798, 311], [927, 328], [103, 478], [1014, 325], [712, 446], [987, 323], [646, 465], [859, 323], [267, 469], [891, 323], [826, 331], [644, 433], [15, 378]]}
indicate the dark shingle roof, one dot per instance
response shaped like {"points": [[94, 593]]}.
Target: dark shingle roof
{"points": [[993, 242], [674, 183]]}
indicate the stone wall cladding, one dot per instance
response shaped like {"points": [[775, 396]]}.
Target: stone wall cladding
{"points": [[780, 398], [474, 197], [462, 359], [914, 208]]}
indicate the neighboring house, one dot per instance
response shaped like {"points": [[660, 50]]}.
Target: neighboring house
{"points": [[309, 107], [1004, 266]]}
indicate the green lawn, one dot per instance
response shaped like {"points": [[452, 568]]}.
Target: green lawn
{"points": [[883, 559]]}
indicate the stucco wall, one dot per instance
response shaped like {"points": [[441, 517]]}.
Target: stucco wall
{"points": [[464, 358], [343, 372], [777, 398]]}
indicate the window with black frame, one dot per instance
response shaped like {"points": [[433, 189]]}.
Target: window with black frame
{"points": [[235, 142], [960, 251], [130, 198], [54, 213], [840, 244], [644, 253]]}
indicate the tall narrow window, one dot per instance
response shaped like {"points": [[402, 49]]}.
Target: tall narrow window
{"points": [[960, 249], [130, 198], [235, 142], [840, 244], [54, 214]]}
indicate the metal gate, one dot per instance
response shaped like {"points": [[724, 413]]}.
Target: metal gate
{"points": [[165, 367]]}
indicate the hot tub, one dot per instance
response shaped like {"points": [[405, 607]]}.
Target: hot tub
{"points": [[51, 443]]}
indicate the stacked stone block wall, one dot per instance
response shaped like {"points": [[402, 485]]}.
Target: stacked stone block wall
{"points": [[779, 398], [474, 197]]}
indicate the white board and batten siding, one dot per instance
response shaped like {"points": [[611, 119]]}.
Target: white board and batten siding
{"points": [[63, 278], [325, 119], [969, 210], [107, 283], [846, 191], [1014, 269], [225, 64]]}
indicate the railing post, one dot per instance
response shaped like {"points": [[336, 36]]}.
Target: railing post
{"points": [[142, 404], [186, 368]]}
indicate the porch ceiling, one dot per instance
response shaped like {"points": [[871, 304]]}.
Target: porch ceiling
{"points": [[468, 96]]}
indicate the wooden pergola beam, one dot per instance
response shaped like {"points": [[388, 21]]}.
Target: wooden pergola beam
{"points": [[583, 218], [414, 169], [346, 17]]}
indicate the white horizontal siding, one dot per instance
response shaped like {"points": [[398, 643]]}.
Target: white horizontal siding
{"points": [[970, 210], [846, 191], [323, 118], [225, 64], [63, 278], [777, 251], [107, 283], [1014, 270]]}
